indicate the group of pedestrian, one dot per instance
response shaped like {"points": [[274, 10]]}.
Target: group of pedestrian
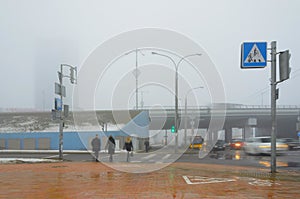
{"points": [[110, 146]]}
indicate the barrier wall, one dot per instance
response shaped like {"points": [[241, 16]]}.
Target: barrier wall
{"points": [[50, 140], [137, 128]]}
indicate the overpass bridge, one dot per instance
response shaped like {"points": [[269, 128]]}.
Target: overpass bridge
{"points": [[248, 118], [245, 117]]}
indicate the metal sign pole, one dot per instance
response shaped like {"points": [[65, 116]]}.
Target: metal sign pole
{"points": [[136, 80], [273, 106], [61, 119]]}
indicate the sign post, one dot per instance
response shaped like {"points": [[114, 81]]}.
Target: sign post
{"points": [[254, 55], [273, 106], [59, 105]]}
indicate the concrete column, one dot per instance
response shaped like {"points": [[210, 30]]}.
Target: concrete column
{"points": [[228, 134]]}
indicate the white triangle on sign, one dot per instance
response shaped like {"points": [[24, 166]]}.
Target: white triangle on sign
{"points": [[254, 56]]}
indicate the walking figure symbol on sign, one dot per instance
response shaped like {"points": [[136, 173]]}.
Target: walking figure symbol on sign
{"points": [[254, 55]]}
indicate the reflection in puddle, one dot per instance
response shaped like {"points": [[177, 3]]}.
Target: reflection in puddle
{"points": [[226, 156], [263, 160], [280, 164]]}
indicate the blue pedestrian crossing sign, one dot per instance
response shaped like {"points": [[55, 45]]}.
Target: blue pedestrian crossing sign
{"points": [[254, 55]]}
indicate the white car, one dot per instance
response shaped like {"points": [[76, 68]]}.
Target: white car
{"points": [[262, 145]]}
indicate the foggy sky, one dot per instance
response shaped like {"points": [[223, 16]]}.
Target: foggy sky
{"points": [[38, 35]]}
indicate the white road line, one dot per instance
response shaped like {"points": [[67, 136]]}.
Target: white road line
{"points": [[166, 156], [148, 156], [187, 180], [106, 156], [53, 156]]}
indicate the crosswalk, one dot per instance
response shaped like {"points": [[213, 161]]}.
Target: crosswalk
{"points": [[142, 157]]}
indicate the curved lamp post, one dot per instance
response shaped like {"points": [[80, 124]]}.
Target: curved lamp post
{"points": [[176, 89]]}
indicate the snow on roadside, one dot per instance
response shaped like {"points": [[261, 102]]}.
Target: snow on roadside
{"points": [[26, 160], [52, 127]]}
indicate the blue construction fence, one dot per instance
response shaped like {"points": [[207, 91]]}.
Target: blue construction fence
{"points": [[137, 129], [50, 140]]}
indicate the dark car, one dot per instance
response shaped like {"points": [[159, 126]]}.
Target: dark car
{"points": [[220, 145], [291, 142]]}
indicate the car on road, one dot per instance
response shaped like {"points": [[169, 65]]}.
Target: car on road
{"points": [[291, 142], [237, 144], [262, 145], [196, 143], [220, 145]]}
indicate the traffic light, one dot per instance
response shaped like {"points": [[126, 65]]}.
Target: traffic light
{"points": [[173, 129], [73, 74], [284, 65]]}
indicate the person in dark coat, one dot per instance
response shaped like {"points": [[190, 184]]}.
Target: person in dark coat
{"points": [[96, 146], [111, 144], [128, 146], [146, 145]]}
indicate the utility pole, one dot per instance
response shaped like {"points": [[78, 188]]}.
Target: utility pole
{"points": [[284, 74], [59, 105], [254, 55], [273, 106], [136, 80], [61, 119], [136, 74]]}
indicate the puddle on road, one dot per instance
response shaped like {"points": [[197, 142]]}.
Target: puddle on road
{"points": [[280, 164], [293, 164], [262, 160], [221, 156]]}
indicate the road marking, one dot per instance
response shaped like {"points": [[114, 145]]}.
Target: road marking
{"points": [[205, 180], [148, 156], [262, 183], [187, 180], [54, 156], [166, 156]]}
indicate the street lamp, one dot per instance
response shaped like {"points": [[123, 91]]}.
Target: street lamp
{"points": [[185, 111], [176, 89]]}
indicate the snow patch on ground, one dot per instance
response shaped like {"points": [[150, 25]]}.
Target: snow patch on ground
{"points": [[26, 160]]}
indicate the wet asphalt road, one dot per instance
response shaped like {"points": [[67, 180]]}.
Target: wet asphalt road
{"points": [[289, 160]]}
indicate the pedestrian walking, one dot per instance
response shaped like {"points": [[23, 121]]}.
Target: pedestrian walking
{"points": [[146, 143], [129, 147], [110, 145], [96, 146]]}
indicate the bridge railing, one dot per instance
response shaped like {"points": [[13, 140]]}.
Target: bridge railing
{"points": [[236, 106]]}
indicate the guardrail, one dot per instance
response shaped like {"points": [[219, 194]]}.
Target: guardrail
{"points": [[226, 106]]}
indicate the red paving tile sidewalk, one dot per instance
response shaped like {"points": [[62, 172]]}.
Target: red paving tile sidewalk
{"points": [[178, 180]]}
